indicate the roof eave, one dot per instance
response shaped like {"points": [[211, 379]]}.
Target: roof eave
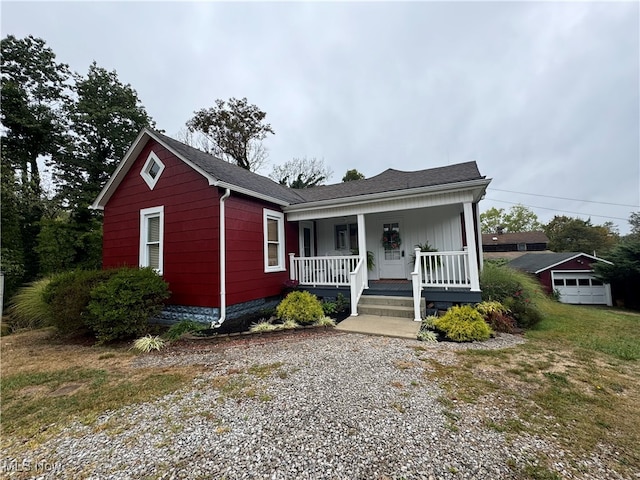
{"points": [[479, 184], [572, 258]]}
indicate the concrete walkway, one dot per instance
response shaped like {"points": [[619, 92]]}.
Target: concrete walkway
{"points": [[384, 326]]}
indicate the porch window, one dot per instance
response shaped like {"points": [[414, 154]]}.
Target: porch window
{"points": [[273, 241], [346, 236], [152, 238]]}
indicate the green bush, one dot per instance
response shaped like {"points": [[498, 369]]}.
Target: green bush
{"points": [[68, 296], [463, 324], [28, 308], [329, 308], [497, 316], [301, 307], [122, 306], [182, 327], [519, 292]]}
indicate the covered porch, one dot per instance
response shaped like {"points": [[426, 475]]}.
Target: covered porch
{"points": [[381, 253]]}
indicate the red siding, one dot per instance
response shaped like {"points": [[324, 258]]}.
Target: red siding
{"points": [[190, 227], [191, 242], [246, 278]]}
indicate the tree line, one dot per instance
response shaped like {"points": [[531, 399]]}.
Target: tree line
{"points": [[80, 126]]}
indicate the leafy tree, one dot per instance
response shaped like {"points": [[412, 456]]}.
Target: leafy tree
{"points": [[351, 175], [568, 234], [624, 274], [33, 86], [104, 120], [301, 173], [236, 130], [634, 221], [518, 219]]}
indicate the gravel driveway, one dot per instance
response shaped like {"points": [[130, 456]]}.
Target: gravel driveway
{"points": [[327, 406]]}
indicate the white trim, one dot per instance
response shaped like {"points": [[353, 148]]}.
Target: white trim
{"points": [[279, 217], [145, 214], [223, 259], [572, 258], [146, 175]]}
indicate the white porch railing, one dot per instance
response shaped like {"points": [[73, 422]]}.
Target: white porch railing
{"points": [[357, 281], [322, 271], [442, 270], [333, 271]]}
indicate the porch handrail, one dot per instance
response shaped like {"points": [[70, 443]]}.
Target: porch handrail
{"points": [[444, 269], [357, 281], [416, 282], [331, 270]]}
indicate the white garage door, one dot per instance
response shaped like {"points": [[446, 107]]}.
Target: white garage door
{"points": [[580, 288]]}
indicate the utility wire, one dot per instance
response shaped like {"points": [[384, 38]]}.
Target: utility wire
{"points": [[564, 198], [556, 210]]}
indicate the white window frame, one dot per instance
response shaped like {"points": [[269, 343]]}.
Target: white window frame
{"points": [[145, 215], [144, 173], [279, 217]]}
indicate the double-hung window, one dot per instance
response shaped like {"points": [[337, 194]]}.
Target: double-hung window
{"points": [[273, 241], [152, 238]]}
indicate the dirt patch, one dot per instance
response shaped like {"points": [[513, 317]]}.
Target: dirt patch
{"points": [[66, 390]]}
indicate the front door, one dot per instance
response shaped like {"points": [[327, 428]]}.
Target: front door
{"points": [[392, 264], [307, 243]]}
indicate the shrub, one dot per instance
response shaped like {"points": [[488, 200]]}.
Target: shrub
{"points": [[122, 306], [301, 307], [341, 303], [69, 294], [148, 343], [289, 325], [463, 324], [325, 322], [263, 326], [329, 308], [497, 316], [182, 327], [428, 322], [28, 308], [517, 291], [427, 336]]}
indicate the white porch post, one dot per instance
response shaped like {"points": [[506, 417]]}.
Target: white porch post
{"points": [[471, 247], [362, 247], [480, 252], [292, 267]]}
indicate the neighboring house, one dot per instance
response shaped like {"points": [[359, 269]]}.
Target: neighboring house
{"points": [[570, 273], [226, 239], [513, 245]]}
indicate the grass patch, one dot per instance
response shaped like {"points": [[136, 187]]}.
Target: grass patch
{"points": [[48, 382], [576, 382]]}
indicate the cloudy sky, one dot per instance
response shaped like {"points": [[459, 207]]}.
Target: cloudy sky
{"points": [[543, 96]]}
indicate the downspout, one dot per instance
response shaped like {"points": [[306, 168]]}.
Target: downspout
{"points": [[223, 262]]}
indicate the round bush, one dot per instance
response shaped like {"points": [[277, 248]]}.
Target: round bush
{"points": [[497, 316], [122, 306], [300, 307], [463, 324], [68, 296]]}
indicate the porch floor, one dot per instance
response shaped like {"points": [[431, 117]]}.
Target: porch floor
{"points": [[382, 326]]}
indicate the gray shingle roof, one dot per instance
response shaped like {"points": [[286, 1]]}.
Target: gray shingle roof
{"points": [[389, 180], [515, 237], [532, 262], [230, 173], [394, 180]]}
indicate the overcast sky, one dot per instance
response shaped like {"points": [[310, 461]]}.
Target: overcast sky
{"points": [[543, 96]]}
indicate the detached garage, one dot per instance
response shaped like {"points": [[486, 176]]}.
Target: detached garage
{"points": [[570, 273]]}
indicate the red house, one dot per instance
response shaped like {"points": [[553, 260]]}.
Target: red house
{"points": [[226, 239]]}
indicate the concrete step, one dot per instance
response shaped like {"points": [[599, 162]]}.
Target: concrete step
{"points": [[386, 310], [386, 301]]}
